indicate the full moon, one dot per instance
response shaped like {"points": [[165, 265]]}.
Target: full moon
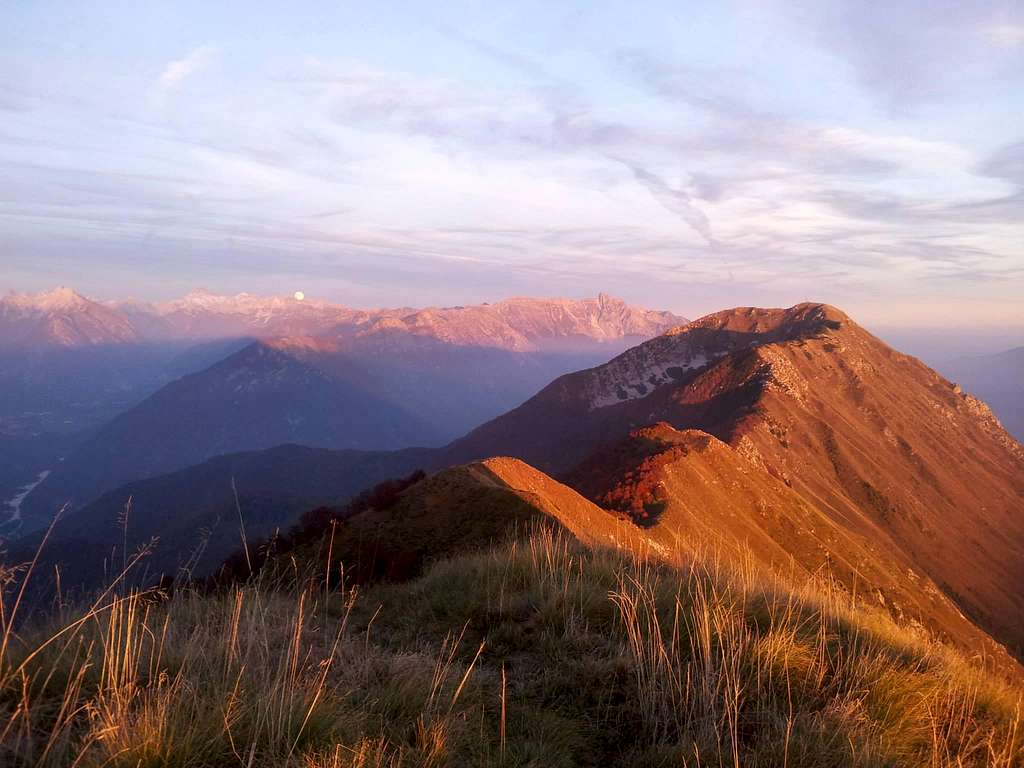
{"points": [[299, 295]]}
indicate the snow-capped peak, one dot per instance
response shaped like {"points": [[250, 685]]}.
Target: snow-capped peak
{"points": [[58, 299]]}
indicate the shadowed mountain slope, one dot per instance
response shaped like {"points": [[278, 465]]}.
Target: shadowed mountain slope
{"points": [[257, 398], [197, 515]]}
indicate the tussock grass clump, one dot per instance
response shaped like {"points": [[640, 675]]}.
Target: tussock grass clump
{"points": [[534, 652]]}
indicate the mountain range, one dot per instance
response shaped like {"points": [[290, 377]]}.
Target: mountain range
{"points": [[789, 437], [213, 374], [63, 317]]}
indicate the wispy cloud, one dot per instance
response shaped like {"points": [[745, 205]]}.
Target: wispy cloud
{"points": [[912, 52], [1004, 34], [175, 73], [1006, 163], [675, 200]]}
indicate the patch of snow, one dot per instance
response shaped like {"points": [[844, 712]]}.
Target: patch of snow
{"points": [[59, 299]]}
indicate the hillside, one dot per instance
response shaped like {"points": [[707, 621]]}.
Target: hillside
{"points": [[191, 517], [532, 652], [257, 398], [875, 441], [465, 507], [691, 492]]}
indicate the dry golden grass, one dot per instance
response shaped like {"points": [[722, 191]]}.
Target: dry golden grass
{"points": [[537, 652]]}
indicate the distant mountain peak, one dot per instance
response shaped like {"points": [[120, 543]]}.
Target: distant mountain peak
{"points": [[807, 317], [524, 324], [61, 317], [60, 298]]}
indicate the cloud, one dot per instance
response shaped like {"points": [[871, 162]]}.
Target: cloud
{"points": [[1006, 163], [722, 92], [456, 117], [910, 52], [1004, 34], [795, 194], [14, 97], [674, 200], [178, 70], [897, 150], [507, 58]]}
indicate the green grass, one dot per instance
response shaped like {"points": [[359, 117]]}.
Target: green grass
{"points": [[535, 652]]}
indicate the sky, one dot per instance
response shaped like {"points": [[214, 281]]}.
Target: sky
{"points": [[689, 156]]}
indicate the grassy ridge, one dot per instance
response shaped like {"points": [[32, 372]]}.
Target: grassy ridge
{"points": [[533, 652]]}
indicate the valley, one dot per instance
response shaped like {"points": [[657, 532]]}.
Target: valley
{"points": [[12, 507]]}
